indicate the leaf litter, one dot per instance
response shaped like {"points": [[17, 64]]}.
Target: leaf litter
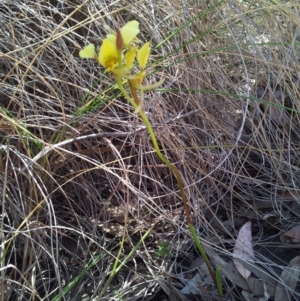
{"points": [[243, 249]]}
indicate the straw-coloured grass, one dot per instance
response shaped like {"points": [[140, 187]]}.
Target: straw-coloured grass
{"points": [[77, 165]]}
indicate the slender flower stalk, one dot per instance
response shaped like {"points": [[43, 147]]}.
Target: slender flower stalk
{"points": [[117, 55]]}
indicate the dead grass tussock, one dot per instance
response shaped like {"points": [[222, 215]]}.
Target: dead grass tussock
{"points": [[227, 116]]}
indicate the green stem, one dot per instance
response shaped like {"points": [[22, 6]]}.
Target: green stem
{"points": [[219, 281], [203, 254], [157, 149], [175, 172]]}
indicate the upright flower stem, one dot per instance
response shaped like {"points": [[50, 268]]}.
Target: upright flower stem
{"points": [[157, 149], [175, 172], [117, 54]]}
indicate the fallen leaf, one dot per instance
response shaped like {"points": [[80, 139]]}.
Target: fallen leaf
{"points": [[199, 285], [192, 286], [293, 235], [289, 279], [250, 297], [253, 297], [254, 285], [243, 249]]}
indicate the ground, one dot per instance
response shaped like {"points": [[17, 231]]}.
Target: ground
{"points": [[89, 211]]}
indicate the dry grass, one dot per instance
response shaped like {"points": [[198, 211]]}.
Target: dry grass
{"points": [[227, 116]]}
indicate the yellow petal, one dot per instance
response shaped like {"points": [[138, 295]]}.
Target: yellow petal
{"points": [[138, 79], [130, 56], [88, 52], [112, 37], [133, 23], [109, 29], [129, 31], [108, 55], [143, 55]]}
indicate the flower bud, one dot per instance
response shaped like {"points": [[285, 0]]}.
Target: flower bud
{"points": [[119, 41]]}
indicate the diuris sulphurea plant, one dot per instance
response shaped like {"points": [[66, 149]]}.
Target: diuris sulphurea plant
{"points": [[119, 51]]}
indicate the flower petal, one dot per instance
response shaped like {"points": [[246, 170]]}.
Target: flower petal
{"points": [[88, 52], [129, 31], [139, 78], [143, 55], [112, 37], [109, 29], [133, 24], [130, 56], [108, 54]]}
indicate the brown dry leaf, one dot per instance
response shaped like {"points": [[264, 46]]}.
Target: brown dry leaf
{"points": [[289, 277], [243, 249], [293, 235]]}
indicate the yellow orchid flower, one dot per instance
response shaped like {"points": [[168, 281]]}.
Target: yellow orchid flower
{"points": [[108, 55], [128, 32], [143, 55]]}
